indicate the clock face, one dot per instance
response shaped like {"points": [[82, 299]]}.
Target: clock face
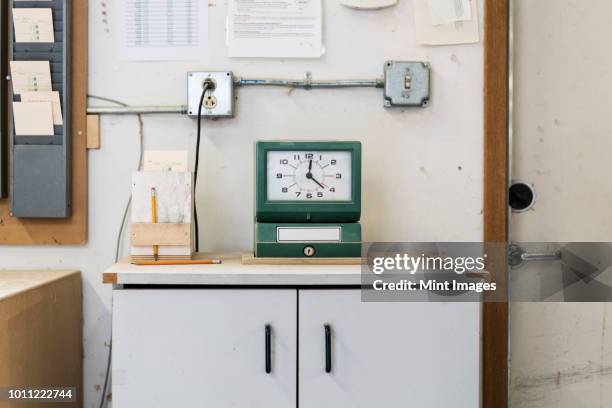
{"points": [[308, 175]]}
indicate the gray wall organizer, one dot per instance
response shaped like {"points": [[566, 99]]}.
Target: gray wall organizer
{"points": [[40, 177], [3, 99]]}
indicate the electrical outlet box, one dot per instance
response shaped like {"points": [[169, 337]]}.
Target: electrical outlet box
{"points": [[406, 83], [218, 102]]}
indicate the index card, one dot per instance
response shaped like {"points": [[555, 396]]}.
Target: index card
{"points": [[33, 118], [280, 29], [33, 25], [166, 160], [457, 32], [30, 76], [53, 97], [449, 11]]}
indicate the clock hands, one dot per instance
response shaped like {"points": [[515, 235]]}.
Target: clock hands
{"points": [[310, 177]]}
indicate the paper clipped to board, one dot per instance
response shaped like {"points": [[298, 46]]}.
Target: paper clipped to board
{"points": [[281, 29], [33, 118], [33, 25], [166, 160], [449, 11], [368, 4], [162, 30], [461, 30], [53, 97], [30, 76]]}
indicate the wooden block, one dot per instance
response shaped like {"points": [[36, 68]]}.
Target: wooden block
{"points": [[250, 259], [93, 131], [171, 234], [109, 277]]}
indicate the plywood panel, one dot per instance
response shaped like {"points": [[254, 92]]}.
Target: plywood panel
{"points": [[71, 231]]}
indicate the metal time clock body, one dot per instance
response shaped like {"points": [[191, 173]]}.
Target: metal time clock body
{"points": [[308, 199]]}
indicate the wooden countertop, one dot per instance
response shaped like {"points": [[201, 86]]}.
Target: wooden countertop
{"points": [[13, 282], [233, 272]]}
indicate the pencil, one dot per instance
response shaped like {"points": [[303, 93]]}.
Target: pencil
{"points": [[154, 219], [179, 262]]}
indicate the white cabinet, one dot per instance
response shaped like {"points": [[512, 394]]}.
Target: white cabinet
{"points": [[207, 348], [392, 355], [203, 348]]}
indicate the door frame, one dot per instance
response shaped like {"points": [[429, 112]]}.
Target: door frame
{"points": [[497, 44]]}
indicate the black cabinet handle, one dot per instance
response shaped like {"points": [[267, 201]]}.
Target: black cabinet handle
{"points": [[328, 356], [268, 351]]}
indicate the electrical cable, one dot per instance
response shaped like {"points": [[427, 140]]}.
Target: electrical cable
{"points": [[103, 398], [205, 87]]}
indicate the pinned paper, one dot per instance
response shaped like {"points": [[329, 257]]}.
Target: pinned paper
{"points": [[53, 97], [166, 160], [33, 25], [33, 118], [279, 29], [162, 30], [30, 76], [368, 4], [456, 32], [449, 11]]}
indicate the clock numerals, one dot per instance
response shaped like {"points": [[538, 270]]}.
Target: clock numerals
{"points": [[309, 176]]}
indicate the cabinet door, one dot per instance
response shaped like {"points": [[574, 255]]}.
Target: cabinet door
{"points": [[203, 348], [392, 355]]}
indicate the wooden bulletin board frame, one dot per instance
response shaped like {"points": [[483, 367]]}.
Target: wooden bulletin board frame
{"points": [[495, 208], [73, 230]]}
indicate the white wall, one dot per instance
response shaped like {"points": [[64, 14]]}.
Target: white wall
{"points": [[561, 352], [422, 170]]}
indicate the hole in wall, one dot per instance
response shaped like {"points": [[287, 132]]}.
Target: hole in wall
{"points": [[521, 196]]}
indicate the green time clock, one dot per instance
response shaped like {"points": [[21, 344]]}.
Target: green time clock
{"points": [[308, 199]]}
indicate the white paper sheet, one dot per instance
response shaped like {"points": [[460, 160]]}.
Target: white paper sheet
{"points": [[53, 97], [162, 30], [31, 76], [459, 32], [280, 29], [33, 118], [449, 11], [166, 160], [33, 25]]}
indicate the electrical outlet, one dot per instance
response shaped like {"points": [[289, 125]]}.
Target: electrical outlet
{"points": [[219, 99], [406, 83]]}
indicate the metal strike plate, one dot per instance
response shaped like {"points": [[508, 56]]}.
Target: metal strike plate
{"points": [[218, 102], [406, 83]]}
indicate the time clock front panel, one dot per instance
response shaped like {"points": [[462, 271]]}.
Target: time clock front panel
{"points": [[309, 175]]}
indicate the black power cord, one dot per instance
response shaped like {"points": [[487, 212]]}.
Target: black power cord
{"points": [[208, 84]]}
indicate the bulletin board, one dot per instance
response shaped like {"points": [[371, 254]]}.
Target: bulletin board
{"points": [[73, 230]]}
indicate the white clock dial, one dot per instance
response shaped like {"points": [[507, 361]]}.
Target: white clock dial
{"points": [[309, 176]]}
